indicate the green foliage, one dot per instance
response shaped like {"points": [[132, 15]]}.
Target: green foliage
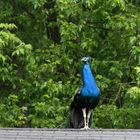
{"points": [[41, 44], [15, 58], [108, 116]]}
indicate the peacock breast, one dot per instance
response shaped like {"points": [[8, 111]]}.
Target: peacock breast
{"points": [[90, 92]]}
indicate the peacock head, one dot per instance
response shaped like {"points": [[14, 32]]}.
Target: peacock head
{"points": [[86, 59]]}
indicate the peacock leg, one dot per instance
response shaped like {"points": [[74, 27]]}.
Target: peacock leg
{"points": [[84, 116], [88, 117]]}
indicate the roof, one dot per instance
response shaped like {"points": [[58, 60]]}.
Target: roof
{"points": [[68, 134]]}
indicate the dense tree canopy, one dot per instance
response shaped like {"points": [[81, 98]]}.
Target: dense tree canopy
{"points": [[41, 44]]}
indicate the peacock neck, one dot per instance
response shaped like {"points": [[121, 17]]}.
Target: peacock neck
{"points": [[89, 84], [88, 79]]}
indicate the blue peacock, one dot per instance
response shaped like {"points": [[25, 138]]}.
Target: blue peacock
{"points": [[85, 101]]}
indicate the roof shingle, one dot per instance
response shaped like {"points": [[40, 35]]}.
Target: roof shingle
{"points": [[68, 134]]}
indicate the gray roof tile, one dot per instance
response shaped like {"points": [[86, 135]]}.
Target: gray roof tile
{"points": [[68, 134]]}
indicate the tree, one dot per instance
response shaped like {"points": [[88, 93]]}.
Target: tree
{"points": [[40, 53]]}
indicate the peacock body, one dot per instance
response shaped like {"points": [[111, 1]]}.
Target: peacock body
{"points": [[86, 99]]}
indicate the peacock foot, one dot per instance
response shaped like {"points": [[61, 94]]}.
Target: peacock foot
{"points": [[85, 128]]}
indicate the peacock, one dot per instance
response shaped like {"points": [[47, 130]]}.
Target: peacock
{"points": [[85, 100]]}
